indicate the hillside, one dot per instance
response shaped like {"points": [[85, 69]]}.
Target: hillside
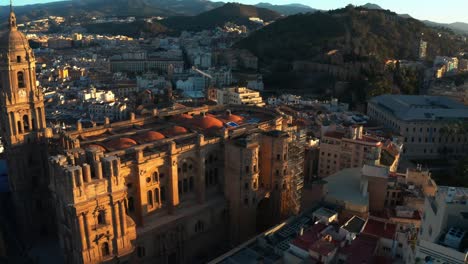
{"points": [[353, 31], [88, 8], [290, 9], [231, 12]]}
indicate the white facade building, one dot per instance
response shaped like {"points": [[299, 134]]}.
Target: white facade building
{"points": [[239, 96]]}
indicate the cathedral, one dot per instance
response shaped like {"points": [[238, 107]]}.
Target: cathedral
{"points": [[178, 185]]}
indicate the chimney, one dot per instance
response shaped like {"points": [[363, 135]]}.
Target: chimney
{"points": [[228, 112]]}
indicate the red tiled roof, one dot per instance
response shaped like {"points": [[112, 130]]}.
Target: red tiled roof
{"points": [[379, 229], [323, 247], [309, 237], [361, 250]]}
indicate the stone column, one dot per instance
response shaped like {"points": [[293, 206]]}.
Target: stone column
{"points": [[82, 223], [173, 183], [200, 180], [116, 214], [123, 219]]}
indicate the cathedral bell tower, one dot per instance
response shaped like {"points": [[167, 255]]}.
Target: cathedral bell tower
{"points": [[23, 130]]}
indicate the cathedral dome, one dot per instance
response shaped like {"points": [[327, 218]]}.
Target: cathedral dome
{"points": [[175, 131], [207, 122], [13, 39], [121, 143], [233, 118], [96, 147], [149, 136]]}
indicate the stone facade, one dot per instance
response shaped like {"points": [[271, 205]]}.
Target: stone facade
{"points": [[179, 185], [24, 133]]}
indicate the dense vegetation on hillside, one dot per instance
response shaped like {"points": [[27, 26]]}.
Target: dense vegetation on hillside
{"points": [[90, 8], [355, 31], [231, 12]]}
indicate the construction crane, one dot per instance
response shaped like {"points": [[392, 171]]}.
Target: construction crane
{"points": [[204, 74]]}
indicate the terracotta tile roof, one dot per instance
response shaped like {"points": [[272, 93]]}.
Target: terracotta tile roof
{"points": [[309, 237], [380, 229], [361, 250]]}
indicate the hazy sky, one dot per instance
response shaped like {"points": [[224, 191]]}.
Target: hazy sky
{"points": [[436, 10]]}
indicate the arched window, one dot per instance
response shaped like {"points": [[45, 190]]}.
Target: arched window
{"points": [[191, 184], [20, 127], [21, 79], [26, 123], [184, 167], [150, 198], [101, 218], [105, 249]]}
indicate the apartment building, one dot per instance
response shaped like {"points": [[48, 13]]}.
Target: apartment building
{"points": [[431, 126], [342, 148], [239, 96]]}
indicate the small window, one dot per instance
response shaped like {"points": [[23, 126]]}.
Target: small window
{"points": [[21, 80], [278, 157], [18, 59], [105, 249], [150, 198], [191, 184], [101, 218]]}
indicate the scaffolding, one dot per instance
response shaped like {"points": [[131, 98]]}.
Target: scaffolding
{"points": [[296, 157]]}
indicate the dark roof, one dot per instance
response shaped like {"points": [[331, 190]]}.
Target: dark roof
{"points": [[354, 225]]}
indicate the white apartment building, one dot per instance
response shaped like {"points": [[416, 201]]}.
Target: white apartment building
{"points": [[432, 126], [442, 237], [93, 94], [239, 96], [114, 111]]}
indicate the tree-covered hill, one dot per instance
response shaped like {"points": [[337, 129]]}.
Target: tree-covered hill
{"points": [[231, 12], [356, 32]]}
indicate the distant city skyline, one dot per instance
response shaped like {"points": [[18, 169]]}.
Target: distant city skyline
{"points": [[446, 12]]}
